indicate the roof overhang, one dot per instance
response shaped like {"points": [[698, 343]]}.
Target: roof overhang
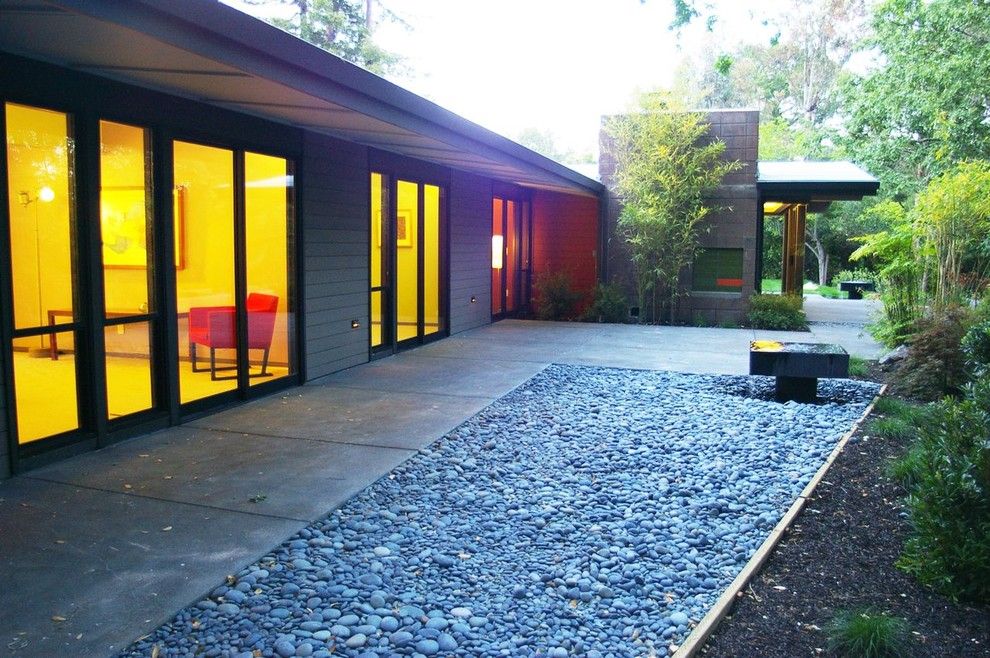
{"points": [[215, 54], [814, 182]]}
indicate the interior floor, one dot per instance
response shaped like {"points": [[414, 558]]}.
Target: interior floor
{"points": [[46, 389]]}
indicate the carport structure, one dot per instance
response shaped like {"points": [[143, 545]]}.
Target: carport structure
{"points": [[793, 189]]}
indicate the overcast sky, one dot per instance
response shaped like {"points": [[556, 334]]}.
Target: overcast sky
{"points": [[557, 65]]}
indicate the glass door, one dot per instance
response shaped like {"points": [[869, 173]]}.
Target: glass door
{"points": [[407, 300], [46, 324], [203, 196], [129, 318], [269, 294], [510, 256], [234, 269]]}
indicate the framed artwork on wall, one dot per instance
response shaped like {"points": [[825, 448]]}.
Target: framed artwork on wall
{"points": [[124, 216], [403, 237]]}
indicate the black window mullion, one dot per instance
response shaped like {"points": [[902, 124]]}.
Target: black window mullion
{"points": [[165, 341], [240, 272], [420, 262], [90, 360], [6, 300]]}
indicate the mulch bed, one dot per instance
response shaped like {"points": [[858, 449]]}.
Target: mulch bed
{"points": [[840, 554]]}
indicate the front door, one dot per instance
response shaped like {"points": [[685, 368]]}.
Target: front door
{"points": [[510, 256]]}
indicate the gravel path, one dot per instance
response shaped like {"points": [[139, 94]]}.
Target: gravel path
{"points": [[590, 512]]}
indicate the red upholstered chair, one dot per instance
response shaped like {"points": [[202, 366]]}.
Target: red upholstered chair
{"points": [[215, 327]]}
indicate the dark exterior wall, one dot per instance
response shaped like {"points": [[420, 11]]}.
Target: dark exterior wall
{"points": [[470, 217], [336, 232], [734, 225], [4, 435], [565, 237]]}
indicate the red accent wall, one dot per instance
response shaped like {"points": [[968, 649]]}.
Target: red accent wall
{"points": [[565, 238]]}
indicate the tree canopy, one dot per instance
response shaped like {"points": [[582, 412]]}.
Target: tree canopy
{"points": [[927, 105], [342, 27]]}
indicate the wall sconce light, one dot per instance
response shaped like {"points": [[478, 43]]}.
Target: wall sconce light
{"points": [[474, 300], [497, 243], [45, 195], [355, 324]]}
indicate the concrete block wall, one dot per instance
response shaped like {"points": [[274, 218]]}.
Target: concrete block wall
{"points": [[470, 226], [732, 225], [336, 232]]}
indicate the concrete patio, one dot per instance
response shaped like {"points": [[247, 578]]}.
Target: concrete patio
{"points": [[99, 549]]}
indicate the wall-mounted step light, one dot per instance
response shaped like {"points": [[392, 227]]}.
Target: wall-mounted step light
{"points": [[474, 299], [497, 252], [355, 324]]}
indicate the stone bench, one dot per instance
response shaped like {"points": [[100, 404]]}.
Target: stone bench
{"points": [[856, 288], [797, 366]]}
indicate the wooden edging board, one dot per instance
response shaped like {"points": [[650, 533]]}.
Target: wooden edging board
{"points": [[717, 613]]}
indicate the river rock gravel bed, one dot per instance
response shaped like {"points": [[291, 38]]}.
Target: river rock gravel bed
{"points": [[594, 512]]}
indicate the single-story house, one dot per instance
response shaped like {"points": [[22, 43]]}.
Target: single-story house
{"points": [[199, 208]]}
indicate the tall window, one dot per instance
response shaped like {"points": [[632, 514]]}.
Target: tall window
{"points": [[127, 237], [40, 185]]}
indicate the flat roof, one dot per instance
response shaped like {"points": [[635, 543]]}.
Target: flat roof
{"points": [[212, 53], [810, 181]]}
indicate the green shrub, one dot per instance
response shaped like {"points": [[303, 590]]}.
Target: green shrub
{"points": [[976, 349], [857, 274], [829, 292], [907, 469], [608, 305], [858, 367], [868, 634], [780, 312], [949, 501], [555, 300], [934, 365], [892, 428]]}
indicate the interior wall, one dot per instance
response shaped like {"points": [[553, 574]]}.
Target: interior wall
{"points": [[565, 239]]}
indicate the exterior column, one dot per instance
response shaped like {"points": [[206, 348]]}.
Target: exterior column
{"points": [[793, 249]]}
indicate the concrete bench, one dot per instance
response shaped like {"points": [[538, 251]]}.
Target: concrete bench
{"points": [[856, 288], [797, 366]]}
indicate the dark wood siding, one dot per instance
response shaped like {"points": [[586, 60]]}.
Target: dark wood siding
{"points": [[335, 225], [470, 251]]}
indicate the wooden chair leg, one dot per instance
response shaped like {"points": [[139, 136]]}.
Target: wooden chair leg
{"points": [[264, 363], [213, 364], [192, 356]]}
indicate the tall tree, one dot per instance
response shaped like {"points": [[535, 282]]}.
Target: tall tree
{"points": [[342, 27], [926, 105]]}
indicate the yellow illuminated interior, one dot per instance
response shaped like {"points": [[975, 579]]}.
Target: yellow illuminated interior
{"points": [[41, 211], [125, 227], [377, 253], [205, 175], [431, 259], [269, 187], [407, 261], [39, 171], [773, 207]]}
